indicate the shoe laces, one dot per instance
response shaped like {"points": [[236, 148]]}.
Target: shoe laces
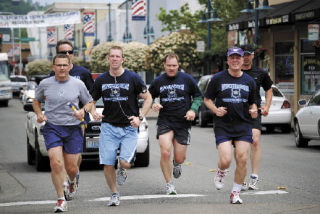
{"points": [[235, 194], [60, 202], [71, 187], [220, 175]]}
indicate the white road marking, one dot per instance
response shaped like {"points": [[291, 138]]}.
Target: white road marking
{"points": [[269, 192], [140, 197]]}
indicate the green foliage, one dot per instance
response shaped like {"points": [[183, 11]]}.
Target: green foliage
{"points": [[182, 43], [21, 8], [134, 54], [38, 67], [227, 10], [79, 61]]}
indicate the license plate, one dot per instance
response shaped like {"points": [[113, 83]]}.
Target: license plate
{"points": [[92, 143]]}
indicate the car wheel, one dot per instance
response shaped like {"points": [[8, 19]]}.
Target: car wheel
{"points": [[142, 159], [286, 128], [40, 161], [202, 121], [30, 153], [300, 141]]}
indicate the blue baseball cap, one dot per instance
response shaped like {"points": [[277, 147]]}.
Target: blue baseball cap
{"points": [[235, 50]]}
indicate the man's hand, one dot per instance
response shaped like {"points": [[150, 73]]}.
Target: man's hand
{"points": [[190, 115], [96, 116], [221, 111], [156, 107], [134, 121], [264, 111], [41, 117], [79, 114]]}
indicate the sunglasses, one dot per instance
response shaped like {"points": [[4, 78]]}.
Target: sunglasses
{"points": [[66, 52]]}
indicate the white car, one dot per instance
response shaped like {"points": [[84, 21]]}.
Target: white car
{"points": [[37, 153], [307, 121], [18, 83], [279, 112], [28, 94]]}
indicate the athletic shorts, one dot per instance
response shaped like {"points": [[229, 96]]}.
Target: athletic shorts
{"points": [[182, 135], [69, 137], [256, 123], [112, 138], [222, 139]]}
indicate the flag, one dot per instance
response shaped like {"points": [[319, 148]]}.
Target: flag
{"points": [[68, 32], [88, 23], [51, 37], [138, 10]]}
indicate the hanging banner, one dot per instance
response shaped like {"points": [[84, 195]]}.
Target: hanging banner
{"points": [[45, 20], [51, 37], [68, 32], [88, 23], [138, 10], [313, 32]]}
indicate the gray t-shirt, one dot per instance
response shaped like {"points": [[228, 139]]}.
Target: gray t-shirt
{"points": [[57, 95]]}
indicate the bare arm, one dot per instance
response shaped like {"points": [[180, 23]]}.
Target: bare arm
{"points": [[135, 121], [37, 109], [221, 111], [268, 98]]}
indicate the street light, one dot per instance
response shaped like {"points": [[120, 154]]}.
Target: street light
{"points": [[96, 40], [148, 31], [109, 39], [209, 20], [249, 10], [127, 37], [84, 46]]}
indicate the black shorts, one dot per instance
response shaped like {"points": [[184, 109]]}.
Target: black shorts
{"points": [[182, 135], [256, 123]]}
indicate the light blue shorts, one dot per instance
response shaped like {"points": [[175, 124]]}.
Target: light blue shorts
{"points": [[112, 138]]}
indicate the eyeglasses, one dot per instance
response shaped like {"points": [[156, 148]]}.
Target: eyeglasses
{"points": [[61, 65], [66, 52]]}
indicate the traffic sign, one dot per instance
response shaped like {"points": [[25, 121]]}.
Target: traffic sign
{"points": [[28, 39]]}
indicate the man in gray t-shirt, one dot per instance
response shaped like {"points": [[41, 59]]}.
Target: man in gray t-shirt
{"points": [[62, 132]]}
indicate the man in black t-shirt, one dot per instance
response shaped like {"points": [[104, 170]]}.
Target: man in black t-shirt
{"points": [[180, 98], [263, 80]]}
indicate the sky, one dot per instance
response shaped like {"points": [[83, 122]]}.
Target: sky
{"points": [[43, 2]]}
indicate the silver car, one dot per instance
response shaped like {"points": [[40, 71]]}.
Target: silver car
{"points": [[307, 121]]}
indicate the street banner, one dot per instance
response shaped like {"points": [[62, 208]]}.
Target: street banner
{"points": [[138, 10], [88, 23], [45, 20], [68, 32], [51, 37]]}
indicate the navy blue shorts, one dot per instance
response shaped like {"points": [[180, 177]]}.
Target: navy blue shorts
{"points": [[221, 139], [69, 137]]}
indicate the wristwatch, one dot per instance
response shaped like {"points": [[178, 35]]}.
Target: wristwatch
{"points": [[85, 110], [140, 118]]}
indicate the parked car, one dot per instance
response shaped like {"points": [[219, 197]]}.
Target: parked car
{"points": [[203, 115], [28, 94], [307, 121], [280, 114], [37, 153], [18, 83]]}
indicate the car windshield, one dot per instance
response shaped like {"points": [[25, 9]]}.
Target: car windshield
{"points": [[275, 92], [203, 83], [32, 86], [18, 79]]}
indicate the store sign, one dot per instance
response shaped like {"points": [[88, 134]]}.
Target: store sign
{"points": [[311, 73], [277, 20], [200, 46], [306, 15], [313, 32]]}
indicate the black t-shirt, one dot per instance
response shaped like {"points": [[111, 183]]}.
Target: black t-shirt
{"points": [[175, 95], [262, 79], [236, 94], [119, 95]]}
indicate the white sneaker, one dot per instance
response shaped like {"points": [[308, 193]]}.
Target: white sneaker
{"points": [[235, 198], [219, 179], [70, 190], [176, 170], [114, 199], [171, 190], [253, 184], [244, 186], [121, 174], [61, 206]]}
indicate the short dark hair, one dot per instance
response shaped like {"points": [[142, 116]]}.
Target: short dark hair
{"points": [[62, 42], [60, 56], [116, 47], [171, 55]]}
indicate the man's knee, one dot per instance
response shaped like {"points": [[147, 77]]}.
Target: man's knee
{"points": [[165, 154], [56, 165]]}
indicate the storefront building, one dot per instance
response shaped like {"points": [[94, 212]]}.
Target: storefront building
{"points": [[288, 45]]}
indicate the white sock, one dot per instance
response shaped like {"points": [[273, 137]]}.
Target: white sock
{"points": [[61, 198], [236, 187]]}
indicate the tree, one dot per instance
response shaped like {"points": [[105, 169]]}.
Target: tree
{"points": [[39, 67], [227, 10]]}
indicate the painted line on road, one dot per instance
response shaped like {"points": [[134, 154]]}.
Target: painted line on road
{"points": [[269, 192], [138, 197], [21, 203]]}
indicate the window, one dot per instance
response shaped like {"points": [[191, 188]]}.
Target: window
{"points": [[284, 66], [310, 68]]}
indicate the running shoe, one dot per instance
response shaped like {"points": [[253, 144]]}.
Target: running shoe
{"points": [[78, 178], [121, 174], [253, 184], [71, 190], [219, 179], [176, 169], [61, 206], [244, 186], [171, 190], [235, 198], [114, 199]]}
